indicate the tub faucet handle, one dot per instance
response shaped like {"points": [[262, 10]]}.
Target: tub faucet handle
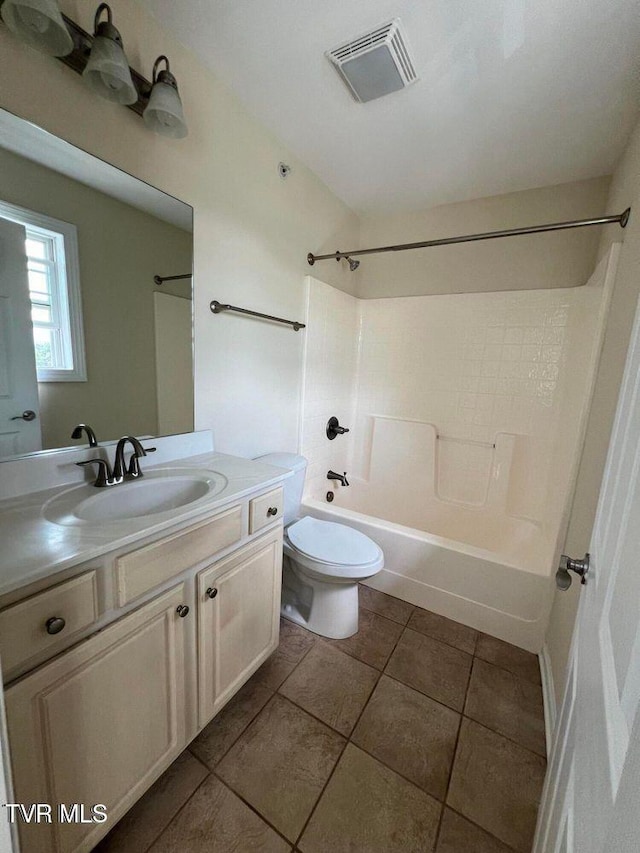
{"points": [[334, 428]]}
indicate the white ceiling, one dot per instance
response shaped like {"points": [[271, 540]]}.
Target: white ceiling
{"points": [[513, 93]]}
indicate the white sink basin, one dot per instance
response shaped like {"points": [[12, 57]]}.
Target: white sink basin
{"points": [[156, 492]]}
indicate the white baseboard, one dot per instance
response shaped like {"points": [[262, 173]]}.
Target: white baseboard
{"points": [[548, 697]]}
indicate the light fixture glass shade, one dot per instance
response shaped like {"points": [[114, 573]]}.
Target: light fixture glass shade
{"points": [[164, 112], [39, 24], [107, 72]]}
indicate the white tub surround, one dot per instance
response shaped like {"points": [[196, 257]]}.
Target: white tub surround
{"points": [[467, 415]]}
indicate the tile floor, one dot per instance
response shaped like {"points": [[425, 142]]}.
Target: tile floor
{"points": [[416, 735]]}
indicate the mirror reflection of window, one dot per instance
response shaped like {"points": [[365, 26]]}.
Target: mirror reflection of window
{"points": [[80, 245], [54, 291]]}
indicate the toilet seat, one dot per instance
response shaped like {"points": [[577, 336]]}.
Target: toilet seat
{"points": [[329, 550]]}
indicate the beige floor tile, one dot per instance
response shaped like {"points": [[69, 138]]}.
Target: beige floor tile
{"points": [[295, 642], [518, 661], [374, 641], [431, 667], [509, 705], [443, 629], [410, 733], [281, 763], [458, 835], [227, 726], [216, 821], [332, 686], [497, 784], [384, 605], [367, 808], [142, 824]]}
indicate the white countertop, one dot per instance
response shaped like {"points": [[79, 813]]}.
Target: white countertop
{"points": [[33, 547]]}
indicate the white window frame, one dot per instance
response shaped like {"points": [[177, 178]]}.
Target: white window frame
{"points": [[70, 298]]}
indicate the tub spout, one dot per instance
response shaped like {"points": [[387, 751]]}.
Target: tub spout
{"points": [[342, 478]]}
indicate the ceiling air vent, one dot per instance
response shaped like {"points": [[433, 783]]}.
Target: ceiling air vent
{"points": [[376, 63]]}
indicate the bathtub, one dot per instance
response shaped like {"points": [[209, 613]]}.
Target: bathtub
{"points": [[474, 565]]}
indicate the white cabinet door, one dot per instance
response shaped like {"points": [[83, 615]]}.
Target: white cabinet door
{"points": [[18, 381], [238, 619], [99, 723]]}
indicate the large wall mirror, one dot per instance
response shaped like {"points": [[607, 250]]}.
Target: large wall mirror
{"points": [[86, 333]]}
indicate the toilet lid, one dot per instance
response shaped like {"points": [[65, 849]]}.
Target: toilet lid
{"points": [[332, 543]]}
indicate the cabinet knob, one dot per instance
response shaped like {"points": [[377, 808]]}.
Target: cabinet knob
{"points": [[182, 610], [273, 510], [212, 592], [55, 624]]}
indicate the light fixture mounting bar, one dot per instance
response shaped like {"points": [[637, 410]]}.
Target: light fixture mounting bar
{"points": [[620, 219], [79, 56]]}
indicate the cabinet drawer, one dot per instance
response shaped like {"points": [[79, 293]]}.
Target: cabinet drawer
{"points": [[141, 570], [24, 631], [261, 510]]}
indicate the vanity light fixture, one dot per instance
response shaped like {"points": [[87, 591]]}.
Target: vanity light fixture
{"points": [[163, 113], [107, 72], [100, 59], [38, 23]]}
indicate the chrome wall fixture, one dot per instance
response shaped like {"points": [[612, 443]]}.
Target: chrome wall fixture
{"points": [[100, 59], [160, 279], [620, 219], [218, 307]]}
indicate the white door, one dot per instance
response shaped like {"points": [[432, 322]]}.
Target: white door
{"points": [[18, 380], [591, 802], [174, 363]]}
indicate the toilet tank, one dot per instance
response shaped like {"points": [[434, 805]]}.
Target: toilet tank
{"points": [[293, 486]]}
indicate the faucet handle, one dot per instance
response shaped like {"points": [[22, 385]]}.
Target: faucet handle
{"points": [[105, 476], [134, 471]]}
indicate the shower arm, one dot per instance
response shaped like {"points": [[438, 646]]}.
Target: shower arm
{"points": [[621, 219]]}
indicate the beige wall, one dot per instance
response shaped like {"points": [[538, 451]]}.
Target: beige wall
{"points": [[624, 192], [559, 259], [120, 250], [252, 229]]}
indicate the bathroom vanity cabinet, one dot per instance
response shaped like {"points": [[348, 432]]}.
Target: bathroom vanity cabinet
{"points": [[160, 637]]}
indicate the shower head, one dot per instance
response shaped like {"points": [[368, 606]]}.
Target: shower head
{"points": [[353, 265]]}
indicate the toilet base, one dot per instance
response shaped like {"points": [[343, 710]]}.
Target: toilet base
{"points": [[325, 608]]}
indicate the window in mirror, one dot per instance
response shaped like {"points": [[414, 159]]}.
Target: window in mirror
{"points": [[51, 249]]}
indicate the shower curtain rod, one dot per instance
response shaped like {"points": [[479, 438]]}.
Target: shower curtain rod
{"points": [[621, 219]]}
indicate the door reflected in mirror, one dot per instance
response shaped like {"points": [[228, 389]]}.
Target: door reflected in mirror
{"points": [[86, 334]]}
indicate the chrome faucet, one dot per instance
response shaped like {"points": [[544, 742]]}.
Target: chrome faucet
{"points": [[342, 478], [120, 473], [91, 436]]}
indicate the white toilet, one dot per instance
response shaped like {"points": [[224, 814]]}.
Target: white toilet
{"points": [[322, 562]]}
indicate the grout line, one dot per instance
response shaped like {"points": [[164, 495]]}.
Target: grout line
{"points": [[253, 809], [453, 761], [319, 797], [422, 693], [253, 718], [235, 740], [324, 722], [348, 739], [175, 816], [482, 828], [510, 671], [397, 621], [506, 737]]}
